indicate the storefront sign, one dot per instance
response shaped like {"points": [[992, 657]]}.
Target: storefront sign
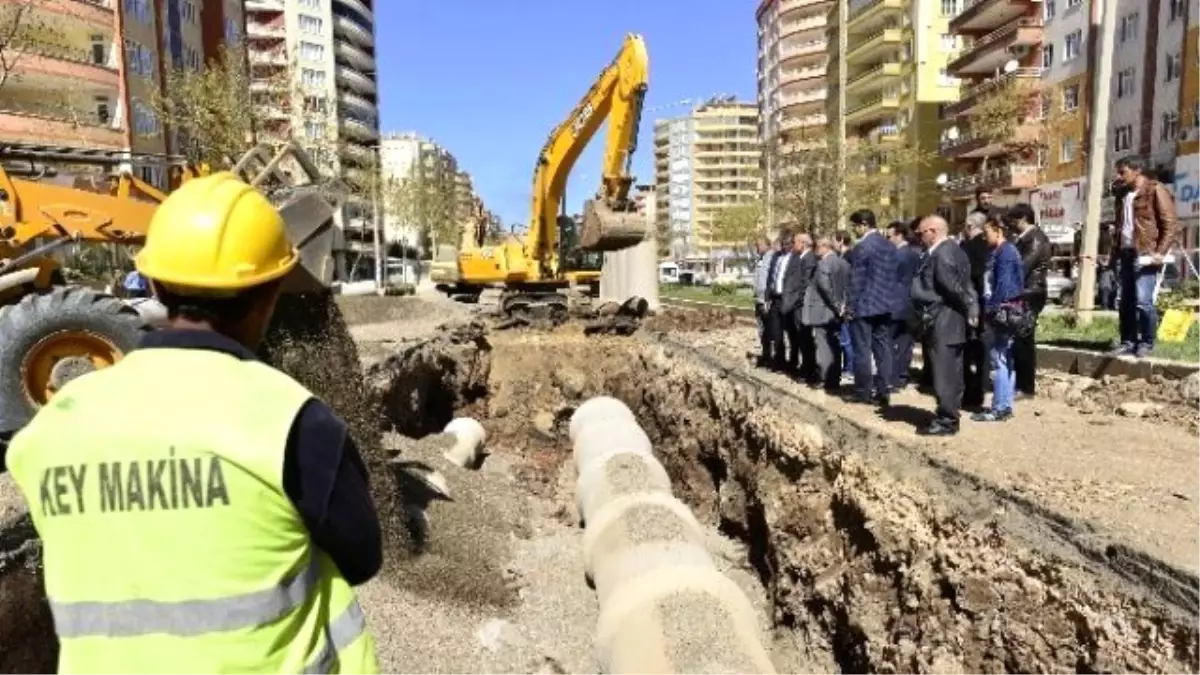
{"points": [[1187, 186]]}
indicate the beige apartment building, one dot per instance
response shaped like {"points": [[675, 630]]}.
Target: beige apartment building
{"points": [[792, 65], [82, 73], [705, 161], [1051, 45]]}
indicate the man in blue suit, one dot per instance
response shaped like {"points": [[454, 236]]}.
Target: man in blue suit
{"points": [[908, 261], [872, 297]]}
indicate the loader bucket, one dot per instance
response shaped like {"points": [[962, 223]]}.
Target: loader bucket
{"points": [[308, 202], [606, 229]]}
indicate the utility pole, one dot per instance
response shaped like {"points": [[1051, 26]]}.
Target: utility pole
{"points": [[843, 37], [1085, 295], [376, 226]]}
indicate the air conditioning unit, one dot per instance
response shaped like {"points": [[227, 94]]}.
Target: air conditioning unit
{"points": [[1018, 50]]}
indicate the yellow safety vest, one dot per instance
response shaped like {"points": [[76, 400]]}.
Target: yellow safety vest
{"points": [[169, 544]]}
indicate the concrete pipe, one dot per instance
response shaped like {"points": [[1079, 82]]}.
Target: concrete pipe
{"points": [[597, 410], [680, 620], [617, 472], [596, 440], [469, 437], [634, 519]]}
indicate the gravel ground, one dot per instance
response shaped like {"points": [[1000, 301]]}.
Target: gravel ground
{"points": [[1134, 478]]}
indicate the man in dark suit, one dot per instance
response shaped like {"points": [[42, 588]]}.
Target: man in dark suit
{"points": [[778, 314], [871, 299], [908, 260], [1036, 250], [802, 359], [823, 304], [946, 306], [975, 366]]}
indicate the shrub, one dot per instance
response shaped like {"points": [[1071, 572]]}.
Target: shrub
{"points": [[724, 289]]}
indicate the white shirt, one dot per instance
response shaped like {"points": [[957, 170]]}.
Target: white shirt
{"points": [[1127, 222], [782, 272]]}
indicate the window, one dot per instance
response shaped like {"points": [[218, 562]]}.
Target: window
{"points": [[1175, 9], [312, 78], [1128, 29], [1073, 45], [310, 4], [145, 123], [310, 51], [314, 130], [1170, 126], [316, 104], [103, 109], [1072, 4], [1070, 98], [1125, 82], [99, 50], [1066, 151], [311, 25], [949, 42], [138, 9], [1047, 55], [231, 32], [1173, 69], [139, 59], [1123, 138], [944, 78], [193, 58], [1048, 10], [187, 11], [950, 7]]}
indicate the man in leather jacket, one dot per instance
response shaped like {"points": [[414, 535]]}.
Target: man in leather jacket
{"points": [[1035, 249]]}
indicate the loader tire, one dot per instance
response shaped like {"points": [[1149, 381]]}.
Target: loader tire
{"points": [[51, 337]]}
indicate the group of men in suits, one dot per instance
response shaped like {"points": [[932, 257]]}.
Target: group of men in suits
{"points": [[892, 286]]}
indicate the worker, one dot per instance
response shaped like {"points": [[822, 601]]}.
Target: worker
{"points": [[223, 527]]}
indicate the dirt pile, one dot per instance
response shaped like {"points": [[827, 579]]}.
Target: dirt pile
{"points": [[671, 320], [873, 559], [27, 641], [1171, 401]]}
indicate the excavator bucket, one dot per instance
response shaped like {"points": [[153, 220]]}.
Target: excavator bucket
{"points": [[608, 229], [308, 202]]}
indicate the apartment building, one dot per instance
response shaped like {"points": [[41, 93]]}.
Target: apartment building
{"points": [[325, 49], [792, 65], [404, 156], [83, 73], [1187, 159], [704, 162], [896, 77]]}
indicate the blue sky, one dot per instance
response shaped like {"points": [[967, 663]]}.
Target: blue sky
{"points": [[488, 80]]}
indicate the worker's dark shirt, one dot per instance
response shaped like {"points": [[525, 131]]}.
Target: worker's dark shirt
{"points": [[323, 473]]}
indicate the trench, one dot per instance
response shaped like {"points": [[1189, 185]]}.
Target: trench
{"points": [[868, 559], [871, 558]]}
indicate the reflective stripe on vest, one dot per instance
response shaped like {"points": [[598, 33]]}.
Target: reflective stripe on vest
{"points": [[339, 634]]}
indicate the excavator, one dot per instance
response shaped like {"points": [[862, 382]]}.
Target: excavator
{"points": [[51, 331], [556, 254]]}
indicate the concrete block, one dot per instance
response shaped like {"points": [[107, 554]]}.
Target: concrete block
{"points": [[635, 519], [620, 566], [469, 437], [680, 620], [596, 439], [617, 472], [596, 410]]}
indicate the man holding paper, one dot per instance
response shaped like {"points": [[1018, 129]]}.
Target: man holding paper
{"points": [[1146, 226]]}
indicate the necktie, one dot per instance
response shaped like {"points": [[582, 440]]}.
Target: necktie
{"points": [[773, 273]]}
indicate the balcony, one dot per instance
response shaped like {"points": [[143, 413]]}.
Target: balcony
{"points": [[356, 154], [800, 98], [971, 146], [93, 13], [990, 52], [354, 56], [875, 78], [31, 122], [265, 5], [360, 105], [979, 16], [874, 45], [874, 107], [868, 16], [790, 28], [260, 30], [1004, 177], [355, 80], [347, 28], [806, 122], [358, 8], [792, 75], [270, 58], [971, 96], [786, 6], [358, 130], [40, 59], [795, 48]]}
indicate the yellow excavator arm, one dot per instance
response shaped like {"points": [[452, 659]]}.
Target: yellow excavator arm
{"points": [[610, 220]]}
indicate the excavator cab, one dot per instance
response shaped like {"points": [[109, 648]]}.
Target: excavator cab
{"points": [[571, 255]]}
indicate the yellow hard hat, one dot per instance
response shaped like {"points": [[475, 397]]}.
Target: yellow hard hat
{"points": [[216, 235]]}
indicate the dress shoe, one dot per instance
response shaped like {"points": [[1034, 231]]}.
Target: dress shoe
{"points": [[860, 398], [992, 416], [881, 400]]}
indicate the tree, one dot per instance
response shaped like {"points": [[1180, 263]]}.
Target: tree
{"points": [[426, 201], [807, 183], [740, 224], [1025, 118], [22, 31]]}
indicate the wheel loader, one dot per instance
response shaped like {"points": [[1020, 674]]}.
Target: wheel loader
{"points": [[52, 332]]}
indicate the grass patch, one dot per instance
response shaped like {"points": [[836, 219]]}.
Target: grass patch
{"points": [[1103, 333], [721, 295]]}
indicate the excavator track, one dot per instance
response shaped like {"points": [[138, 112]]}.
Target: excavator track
{"points": [[535, 305]]}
